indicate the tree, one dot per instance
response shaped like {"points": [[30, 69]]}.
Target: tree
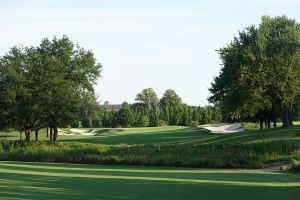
{"points": [[125, 116], [90, 110], [148, 98], [185, 117], [69, 73], [261, 72], [142, 121], [106, 121], [153, 118], [19, 106], [44, 85], [171, 105]]}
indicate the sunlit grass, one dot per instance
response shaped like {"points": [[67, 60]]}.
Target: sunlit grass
{"points": [[67, 181], [175, 135]]}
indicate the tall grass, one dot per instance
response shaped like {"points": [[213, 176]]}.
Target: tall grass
{"points": [[213, 156]]}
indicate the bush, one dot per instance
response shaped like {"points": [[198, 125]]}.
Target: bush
{"points": [[95, 123], [193, 124], [295, 166], [85, 123], [142, 121]]}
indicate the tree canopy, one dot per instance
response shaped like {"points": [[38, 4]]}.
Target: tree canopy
{"points": [[260, 76], [44, 86]]}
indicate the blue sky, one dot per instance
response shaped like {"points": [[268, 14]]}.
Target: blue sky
{"points": [[159, 43]]}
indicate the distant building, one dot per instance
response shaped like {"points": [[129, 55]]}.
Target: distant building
{"points": [[109, 107], [106, 103]]}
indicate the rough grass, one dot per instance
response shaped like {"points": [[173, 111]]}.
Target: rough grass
{"points": [[66, 181], [252, 155]]}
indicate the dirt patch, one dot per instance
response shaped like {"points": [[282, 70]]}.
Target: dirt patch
{"points": [[284, 166]]}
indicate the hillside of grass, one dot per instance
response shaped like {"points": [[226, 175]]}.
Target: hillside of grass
{"points": [[175, 135], [163, 146]]}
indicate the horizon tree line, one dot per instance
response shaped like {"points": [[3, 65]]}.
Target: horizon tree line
{"points": [[150, 111]]}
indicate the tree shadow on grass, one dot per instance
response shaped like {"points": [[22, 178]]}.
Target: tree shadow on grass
{"points": [[60, 184]]}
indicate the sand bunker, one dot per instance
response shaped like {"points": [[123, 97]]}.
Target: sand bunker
{"points": [[87, 132], [224, 128]]}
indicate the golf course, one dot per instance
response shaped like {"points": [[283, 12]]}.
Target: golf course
{"points": [[150, 100], [67, 181], [31, 180]]}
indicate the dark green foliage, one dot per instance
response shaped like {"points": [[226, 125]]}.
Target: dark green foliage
{"points": [[260, 74], [153, 118], [295, 166], [47, 86], [169, 111], [85, 123], [193, 124], [142, 121], [125, 116], [96, 123]]}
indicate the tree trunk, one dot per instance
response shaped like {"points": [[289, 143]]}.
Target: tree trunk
{"points": [[51, 131], [269, 124], [20, 136], [47, 132], [274, 123], [36, 135], [285, 121], [290, 115], [261, 124], [55, 134], [274, 115], [54, 120], [27, 134]]}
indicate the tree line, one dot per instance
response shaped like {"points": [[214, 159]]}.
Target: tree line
{"points": [[149, 110], [260, 77], [46, 86]]}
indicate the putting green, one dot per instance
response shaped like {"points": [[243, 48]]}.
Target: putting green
{"points": [[66, 181]]}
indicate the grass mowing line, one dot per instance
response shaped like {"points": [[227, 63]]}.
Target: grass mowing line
{"points": [[170, 170], [41, 188], [230, 138], [182, 180], [197, 140]]}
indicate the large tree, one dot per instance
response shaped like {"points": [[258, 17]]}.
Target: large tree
{"points": [[260, 72], [44, 85], [148, 98], [171, 104]]}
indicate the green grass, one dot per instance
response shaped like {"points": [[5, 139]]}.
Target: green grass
{"points": [[254, 155], [176, 135], [67, 181], [195, 146]]}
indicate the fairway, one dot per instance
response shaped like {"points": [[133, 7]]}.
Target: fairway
{"points": [[66, 181], [176, 135]]}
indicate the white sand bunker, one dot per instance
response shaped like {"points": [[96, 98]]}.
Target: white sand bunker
{"points": [[224, 128], [87, 132]]}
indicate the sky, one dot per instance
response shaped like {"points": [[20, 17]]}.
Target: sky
{"points": [[162, 44]]}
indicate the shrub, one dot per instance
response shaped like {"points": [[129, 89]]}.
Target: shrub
{"points": [[95, 123], [193, 124], [295, 166], [85, 123], [142, 121]]}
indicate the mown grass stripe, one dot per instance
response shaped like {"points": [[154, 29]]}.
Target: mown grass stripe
{"points": [[179, 180]]}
